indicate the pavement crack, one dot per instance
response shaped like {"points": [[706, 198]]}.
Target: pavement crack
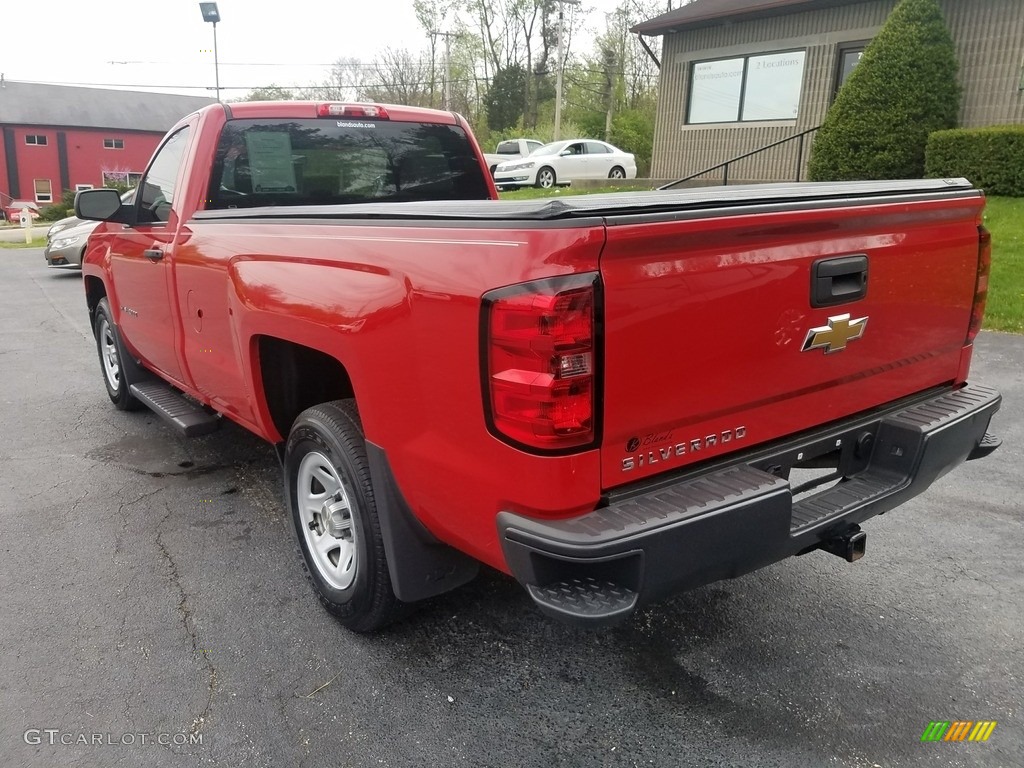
{"points": [[188, 622], [123, 513]]}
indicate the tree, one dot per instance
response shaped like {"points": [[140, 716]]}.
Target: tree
{"points": [[270, 92], [903, 89], [505, 99]]}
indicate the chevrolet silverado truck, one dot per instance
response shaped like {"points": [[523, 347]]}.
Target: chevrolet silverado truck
{"points": [[612, 398]]}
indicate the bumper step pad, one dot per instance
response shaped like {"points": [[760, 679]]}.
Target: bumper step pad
{"points": [[594, 601], [186, 416]]}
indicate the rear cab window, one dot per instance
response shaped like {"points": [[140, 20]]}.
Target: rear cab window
{"points": [[280, 161]]}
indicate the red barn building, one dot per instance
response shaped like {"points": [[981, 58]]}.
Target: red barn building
{"points": [[58, 137]]}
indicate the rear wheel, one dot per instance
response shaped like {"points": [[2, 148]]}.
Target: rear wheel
{"points": [[616, 173], [335, 517], [546, 178], [115, 372]]}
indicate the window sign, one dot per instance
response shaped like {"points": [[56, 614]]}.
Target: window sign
{"points": [[715, 91], [773, 86], [270, 161], [847, 61], [762, 87]]}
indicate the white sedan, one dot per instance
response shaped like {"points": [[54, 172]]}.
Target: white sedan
{"points": [[563, 162]]}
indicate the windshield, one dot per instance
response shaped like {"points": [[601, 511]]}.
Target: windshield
{"points": [[327, 162], [550, 149]]}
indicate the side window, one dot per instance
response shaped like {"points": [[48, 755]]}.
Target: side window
{"points": [[573, 149], [596, 148], [533, 146], [157, 185]]}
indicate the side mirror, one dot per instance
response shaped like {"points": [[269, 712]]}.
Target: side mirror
{"points": [[101, 205]]}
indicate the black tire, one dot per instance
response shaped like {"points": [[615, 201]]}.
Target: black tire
{"points": [[117, 373], [616, 173], [329, 437], [546, 178]]}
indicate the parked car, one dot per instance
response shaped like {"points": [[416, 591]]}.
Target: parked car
{"points": [[62, 224], [509, 150], [66, 239], [66, 249], [563, 162], [13, 210]]}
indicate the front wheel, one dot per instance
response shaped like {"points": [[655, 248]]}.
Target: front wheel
{"points": [[111, 363], [545, 178], [335, 517], [616, 173]]}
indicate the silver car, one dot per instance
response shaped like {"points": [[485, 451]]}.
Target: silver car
{"points": [[67, 238], [66, 248]]}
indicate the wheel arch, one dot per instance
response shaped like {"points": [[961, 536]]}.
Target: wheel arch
{"points": [[94, 291], [293, 377]]}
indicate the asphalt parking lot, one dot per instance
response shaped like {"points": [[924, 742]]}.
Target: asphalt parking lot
{"points": [[151, 593]]}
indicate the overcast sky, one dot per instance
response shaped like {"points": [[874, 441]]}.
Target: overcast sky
{"points": [[167, 43]]}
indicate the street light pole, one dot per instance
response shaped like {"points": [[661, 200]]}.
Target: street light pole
{"points": [[558, 73], [212, 15]]}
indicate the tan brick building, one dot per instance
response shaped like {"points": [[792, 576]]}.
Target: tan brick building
{"points": [[737, 75]]}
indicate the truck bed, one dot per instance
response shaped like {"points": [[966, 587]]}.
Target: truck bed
{"points": [[673, 203]]}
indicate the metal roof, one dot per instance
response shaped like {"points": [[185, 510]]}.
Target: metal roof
{"points": [[23, 103], [703, 13]]}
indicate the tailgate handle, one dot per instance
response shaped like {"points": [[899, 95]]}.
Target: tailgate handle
{"points": [[839, 280]]}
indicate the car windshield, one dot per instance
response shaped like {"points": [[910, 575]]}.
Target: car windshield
{"points": [[271, 161], [550, 149]]}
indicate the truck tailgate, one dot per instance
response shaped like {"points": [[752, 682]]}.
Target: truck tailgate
{"points": [[712, 340]]}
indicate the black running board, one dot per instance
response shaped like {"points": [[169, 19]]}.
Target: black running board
{"points": [[189, 418]]}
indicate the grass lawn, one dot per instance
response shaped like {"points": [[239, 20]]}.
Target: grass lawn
{"points": [[37, 242], [1004, 216]]}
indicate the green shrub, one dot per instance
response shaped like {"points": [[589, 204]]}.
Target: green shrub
{"points": [[903, 89], [992, 158], [54, 212]]}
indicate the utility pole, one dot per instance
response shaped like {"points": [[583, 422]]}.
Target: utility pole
{"points": [[558, 73], [447, 65]]}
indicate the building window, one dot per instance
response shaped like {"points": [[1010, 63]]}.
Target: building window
{"points": [[117, 178], [44, 193], [113, 143], [761, 87], [35, 139], [80, 187], [849, 57]]}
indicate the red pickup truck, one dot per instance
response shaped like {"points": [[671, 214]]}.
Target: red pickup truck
{"points": [[611, 397]]}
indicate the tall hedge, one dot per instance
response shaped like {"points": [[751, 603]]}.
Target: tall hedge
{"points": [[992, 158], [903, 89]]}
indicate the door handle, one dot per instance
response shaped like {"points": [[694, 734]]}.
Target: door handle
{"points": [[839, 280], [153, 254]]}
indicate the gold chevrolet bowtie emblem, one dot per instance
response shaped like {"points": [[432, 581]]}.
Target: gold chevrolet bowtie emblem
{"points": [[836, 335]]}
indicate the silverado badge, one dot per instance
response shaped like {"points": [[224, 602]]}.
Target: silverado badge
{"points": [[835, 336]]}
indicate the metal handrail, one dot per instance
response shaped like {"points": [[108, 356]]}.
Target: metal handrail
{"points": [[725, 166]]}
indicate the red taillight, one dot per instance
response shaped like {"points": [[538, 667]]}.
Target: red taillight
{"points": [[981, 284], [369, 111], [540, 367]]}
